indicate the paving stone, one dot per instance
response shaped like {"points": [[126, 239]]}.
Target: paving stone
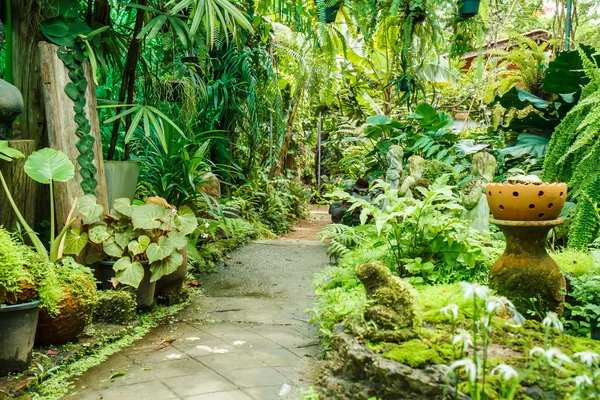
{"points": [[147, 390], [283, 336], [312, 351], [198, 348], [200, 383], [276, 357], [272, 393], [230, 395], [255, 377], [170, 369], [236, 360], [169, 353], [85, 395]]}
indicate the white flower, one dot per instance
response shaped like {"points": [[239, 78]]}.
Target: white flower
{"points": [[469, 366], [554, 356], [204, 235], [552, 320], [583, 379], [498, 303], [450, 308], [206, 225], [587, 357], [486, 321], [475, 289], [506, 371], [464, 338]]}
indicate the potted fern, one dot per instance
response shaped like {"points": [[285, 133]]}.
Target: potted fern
{"points": [[134, 244]]}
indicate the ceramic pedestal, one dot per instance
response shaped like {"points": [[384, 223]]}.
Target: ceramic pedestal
{"points": [[525, 270]]}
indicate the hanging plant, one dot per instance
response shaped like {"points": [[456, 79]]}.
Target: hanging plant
{"points": [[63, 29], [327, 10], [469, 8]]}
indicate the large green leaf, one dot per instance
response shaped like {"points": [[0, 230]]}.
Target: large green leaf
{"points": [[129, 273], [138, 246], [89, 208], [48, 165], [111, 248], [148, 216], [75, 241], [166, 266], [98, 233], [186, 220], [123, 238], [7, 154], [160, 250], [519, 99], [123, 206], [177, 239], [565, 74]]}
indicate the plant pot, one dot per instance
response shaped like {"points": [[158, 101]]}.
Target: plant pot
{"points": [[11, 105], [404, 85], [18, 324], [121, 179], [526, 202], [331, 12], [144, 293], [469, 8], [169, 286], [75, 313], [190, 59]]}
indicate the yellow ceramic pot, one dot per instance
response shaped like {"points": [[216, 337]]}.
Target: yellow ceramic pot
{"points": [[526, 202]]}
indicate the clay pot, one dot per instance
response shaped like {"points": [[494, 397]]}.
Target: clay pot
{"points": [[75, 313], [526, 202]]}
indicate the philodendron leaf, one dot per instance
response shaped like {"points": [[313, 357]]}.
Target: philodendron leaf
{"points": [[47, 165], [129, 273], [75, 241], [148, 216], [160, 250], [89, 208], [186, 221], [111, 248], [166, 266], [98, 233], [138, 246], [123, 206], [177, 239]]}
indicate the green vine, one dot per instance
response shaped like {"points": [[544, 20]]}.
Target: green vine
{"points": [[573, 156], [62, 27]]}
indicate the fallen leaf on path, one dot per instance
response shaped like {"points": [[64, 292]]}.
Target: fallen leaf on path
{"points": [[116, 375], [239, 343], [192, 338], [220, 351], [52, 352], [285, 389], [166, 343], [174, 356], [194, 284]]}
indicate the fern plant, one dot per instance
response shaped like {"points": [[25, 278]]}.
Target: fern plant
{"points": [[573, 156]]}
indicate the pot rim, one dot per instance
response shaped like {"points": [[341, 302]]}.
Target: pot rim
{"points": [[533, 184], [122, 161], [19, 307]]}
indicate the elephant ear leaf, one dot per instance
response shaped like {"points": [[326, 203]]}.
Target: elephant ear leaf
{"points": [[47, 165]]}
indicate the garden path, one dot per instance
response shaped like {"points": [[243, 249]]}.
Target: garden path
{"points": [[247, 337]]}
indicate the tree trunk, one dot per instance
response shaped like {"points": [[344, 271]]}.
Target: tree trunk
{"points": [[128, 82]]}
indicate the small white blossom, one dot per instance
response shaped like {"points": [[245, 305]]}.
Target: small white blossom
{"points": [[506, 371], [450, 309], [498, 303], [206, 225], [474, 289], [552, 320], [464, 338], [588, 358], [204, 235], [468, 365], [554, 356], [486, 321], [583, 379]]}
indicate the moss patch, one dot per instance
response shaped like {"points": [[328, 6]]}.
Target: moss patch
{"points": [[115, 307], [413, 353]]}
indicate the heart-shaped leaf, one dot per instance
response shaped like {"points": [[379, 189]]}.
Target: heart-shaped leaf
{"points": [[111, 248], [166, 266], [148, 216], [186, 221], [75, 241], [48, 165], [160, 250], [123, 238], [177, 239], [129, 273], [98, 233], [89, 208], [138, 246], [123, 206]]}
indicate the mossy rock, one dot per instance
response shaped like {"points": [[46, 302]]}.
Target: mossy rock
{"points": [[115, 307], [413, 353], [434, 169]]}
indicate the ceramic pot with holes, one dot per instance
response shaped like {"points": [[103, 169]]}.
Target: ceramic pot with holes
{"points": [[526, 201]]}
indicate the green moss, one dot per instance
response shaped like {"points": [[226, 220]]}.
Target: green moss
{"points": [[576, 262], [115, 307], [434, 169], [413, 353]]}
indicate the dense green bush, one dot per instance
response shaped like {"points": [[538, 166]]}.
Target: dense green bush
{"points": [[115, 307]]}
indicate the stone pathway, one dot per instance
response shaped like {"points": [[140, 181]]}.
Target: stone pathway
{"points": [[247, 337]]}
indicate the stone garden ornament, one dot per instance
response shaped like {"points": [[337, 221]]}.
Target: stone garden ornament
{"points": [[415, 167], [473, 193]]}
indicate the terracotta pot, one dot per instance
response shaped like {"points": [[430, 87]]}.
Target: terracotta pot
{"points": [[526, 202], [75, 313]]}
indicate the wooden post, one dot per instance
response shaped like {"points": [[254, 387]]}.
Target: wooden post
{"points": [[23, 189], [61, 127]]}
